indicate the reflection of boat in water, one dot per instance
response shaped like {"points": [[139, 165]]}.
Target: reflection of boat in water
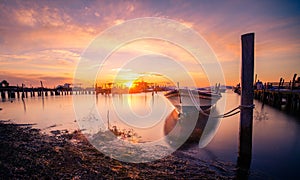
{"points": [[193, 98], [191, 127]]}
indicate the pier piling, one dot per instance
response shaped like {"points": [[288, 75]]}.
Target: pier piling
{"points": [[3, 95], [293, 82], [246, 116]]}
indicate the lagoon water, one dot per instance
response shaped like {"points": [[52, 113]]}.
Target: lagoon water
{"points": [[276, 135]]}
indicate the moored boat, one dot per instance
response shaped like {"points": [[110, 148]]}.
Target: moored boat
{"points": [[194, 98]]}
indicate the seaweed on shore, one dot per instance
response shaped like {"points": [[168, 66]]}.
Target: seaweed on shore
{"points": [[26, 153]]}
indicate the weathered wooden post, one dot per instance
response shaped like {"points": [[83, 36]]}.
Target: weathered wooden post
{"points": [[12, 94], [246, 116], [279, 84], [33, 92], [23, 93], [3, 95], [42, 87], [294, 79], [8, 94], [18, 92]]}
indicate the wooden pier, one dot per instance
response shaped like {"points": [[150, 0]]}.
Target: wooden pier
{"points": [[281, 95], [140, 87], [283, 99], [13, 92]]}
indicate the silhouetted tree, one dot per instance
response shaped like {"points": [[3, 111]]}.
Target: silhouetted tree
{"points": [[4, 83]]}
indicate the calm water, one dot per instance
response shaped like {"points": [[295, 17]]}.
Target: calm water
{"points": [[276, 136]]}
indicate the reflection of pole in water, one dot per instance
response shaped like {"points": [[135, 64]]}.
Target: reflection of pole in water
{"points": [[42, 87], [121, 98], [152, 98], [43, 103], [107, 119], [145, 99], [24, 105], [23, 93], [96, 98]]}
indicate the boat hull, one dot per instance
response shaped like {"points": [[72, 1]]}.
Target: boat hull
{"points": [[192, 98]]}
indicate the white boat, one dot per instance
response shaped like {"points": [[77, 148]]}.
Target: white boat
{"points": [[190, 122], [193, 98]]}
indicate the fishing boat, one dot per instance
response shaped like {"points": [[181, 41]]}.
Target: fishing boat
{"points": [[193, 98]]}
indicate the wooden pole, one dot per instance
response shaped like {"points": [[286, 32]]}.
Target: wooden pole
{"points": [[42, 89], [246, 116], [279, 84], [3, 95], [293, 82], [23, 93]]}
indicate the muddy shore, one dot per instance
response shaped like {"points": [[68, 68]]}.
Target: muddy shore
{"points": [[27, 153]]}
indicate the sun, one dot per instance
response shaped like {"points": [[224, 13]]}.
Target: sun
{"points": [[129, 84]]}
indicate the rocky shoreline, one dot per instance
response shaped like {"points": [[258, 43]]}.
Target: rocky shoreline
{"points": [[26, 153]]}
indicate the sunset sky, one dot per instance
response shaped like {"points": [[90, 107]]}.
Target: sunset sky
{"points": [[43, 40]]}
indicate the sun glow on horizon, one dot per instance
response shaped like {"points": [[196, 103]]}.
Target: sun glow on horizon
{"points": [[129, 84]]}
